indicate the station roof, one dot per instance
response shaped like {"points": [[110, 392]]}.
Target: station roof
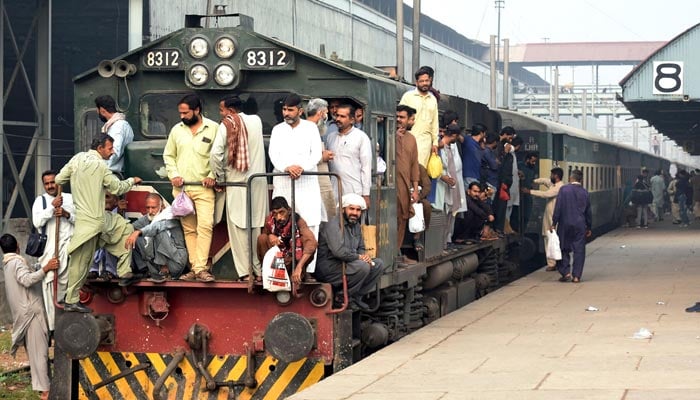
{"points": [[581, 53], [664, 90]]}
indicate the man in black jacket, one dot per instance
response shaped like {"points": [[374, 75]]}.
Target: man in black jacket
{"points": [[505, 180], [477, 215]]}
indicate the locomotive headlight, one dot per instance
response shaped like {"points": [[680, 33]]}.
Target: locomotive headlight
{"points": [[199, 48], [198, 75], [224, 47], [224, 75]]}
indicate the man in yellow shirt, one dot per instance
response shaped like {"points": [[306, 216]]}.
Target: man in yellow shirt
{"points": [[186, 157], [426, 127]]}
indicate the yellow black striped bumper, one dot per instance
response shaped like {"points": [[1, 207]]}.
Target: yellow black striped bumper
{"points": [[276, 380]]}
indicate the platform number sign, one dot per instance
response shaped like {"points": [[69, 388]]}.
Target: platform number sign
{"points": [[668, 77]]}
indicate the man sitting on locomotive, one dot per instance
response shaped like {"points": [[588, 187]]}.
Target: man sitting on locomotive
{"points": [[277, 231], [337, 246], [158, 242]]}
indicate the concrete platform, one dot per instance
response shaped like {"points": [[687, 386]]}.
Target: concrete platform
{"points": [[534, 339]]}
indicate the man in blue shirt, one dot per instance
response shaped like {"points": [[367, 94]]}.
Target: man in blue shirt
{"points": [[471, 155]]}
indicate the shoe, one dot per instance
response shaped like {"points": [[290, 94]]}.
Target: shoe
{"points": [[205, 276], [646, 227], [105, 276], [156, 279], [92, 275], [189, 277], [76, 307], [128, 279], [565, 278], [550, 269], [576, 280], [695, 308], [639, 227]]}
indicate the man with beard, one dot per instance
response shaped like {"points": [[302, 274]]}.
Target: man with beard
{"points": [[117, 127], [477, 216], [573, 220], [352, 154], [338, 245], [90, 179], [45, 211], [239, 152], [449, 191], [528, 169], [158, 242], [407, 172], [295, 147], [186, 157], [553, 184], [317, 113], [277, 231], [427, 120]]}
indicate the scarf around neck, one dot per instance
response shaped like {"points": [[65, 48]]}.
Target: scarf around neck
{"points": [[115, 117], [237, 142], [283, 230]]}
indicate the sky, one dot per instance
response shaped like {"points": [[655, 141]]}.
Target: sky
{"points": [[528, 21], [537, 21]]}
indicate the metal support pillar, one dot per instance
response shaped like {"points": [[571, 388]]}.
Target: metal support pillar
{"points": [[43, 93], [492, 99], [584, 113], [2, 115], [136, 23], [555, 99], [506, 75], [415, 60], [399, 40]]}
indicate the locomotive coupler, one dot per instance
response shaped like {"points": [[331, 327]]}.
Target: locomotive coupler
{"points": [[155, 305]]}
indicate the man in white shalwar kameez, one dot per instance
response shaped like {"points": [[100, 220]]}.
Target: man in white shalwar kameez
{"points": [[244, 133], [449, 191], [295, 147], [44, 213]]}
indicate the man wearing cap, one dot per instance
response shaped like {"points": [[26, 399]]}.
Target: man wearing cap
{"points": [[337, 246]]}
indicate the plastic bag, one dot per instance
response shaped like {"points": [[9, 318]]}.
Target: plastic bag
{"points": [[417, 223], [503, 193], [274, 272], [182, 205], [434, 166], [553, 250]]}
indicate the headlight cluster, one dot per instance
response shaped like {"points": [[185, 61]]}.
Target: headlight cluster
{"points": [[224, 48]]}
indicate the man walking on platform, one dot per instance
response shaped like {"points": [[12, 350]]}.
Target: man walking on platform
{"points": [[573, 220]]}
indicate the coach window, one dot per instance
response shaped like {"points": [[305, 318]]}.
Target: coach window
{"points": [[384, 147], [90, 126]]}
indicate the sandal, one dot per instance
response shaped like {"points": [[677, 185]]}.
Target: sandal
{"points": [[576, 280], [244, 278], [418, 245]]}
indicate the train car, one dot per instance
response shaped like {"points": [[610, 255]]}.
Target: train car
{"points": [[608, 168], [228, 339]]}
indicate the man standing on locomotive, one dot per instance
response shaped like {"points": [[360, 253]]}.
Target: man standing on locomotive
{"points": [[317, 113], [186, 157], [573, 220], [89, 180], [295, 147], [337, 246], [352, 154], [277, 231], [239, 152], [117, 127], [427, 125], [407, 172]]}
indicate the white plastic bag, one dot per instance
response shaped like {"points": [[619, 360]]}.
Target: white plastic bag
{"points": [[274, 279], [182, 205], [417, 223], [553, 250]]}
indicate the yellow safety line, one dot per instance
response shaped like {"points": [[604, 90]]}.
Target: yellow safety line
{"points": [[113, 369], [314, 376], [94, 377], [261, 373], [188, 372], [284, 379], [237, 370]]}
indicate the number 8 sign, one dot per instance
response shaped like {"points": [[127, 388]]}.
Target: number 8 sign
{"points": [[668, 77]]}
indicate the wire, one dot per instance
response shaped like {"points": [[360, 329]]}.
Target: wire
{"points": [[40, 138]]}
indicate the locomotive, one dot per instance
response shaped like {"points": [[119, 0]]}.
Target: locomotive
{"points": [[229, 339]]}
